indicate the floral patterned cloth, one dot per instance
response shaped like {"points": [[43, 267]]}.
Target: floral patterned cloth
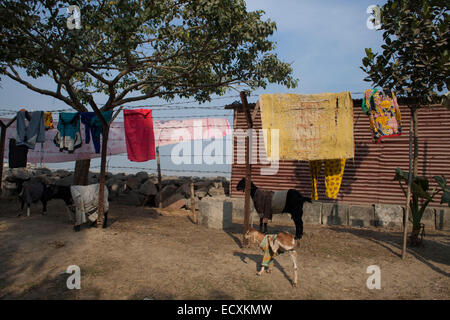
{"points": [[334, 171], [384, 114]]}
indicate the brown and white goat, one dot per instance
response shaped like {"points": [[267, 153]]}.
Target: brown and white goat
{"points": [[284, 242]]}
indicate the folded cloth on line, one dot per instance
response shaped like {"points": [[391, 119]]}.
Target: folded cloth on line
{"points": [[17, 155], [94, 127], [334, 171], [384, 114], [34, 132], [48, 120], [309, 126], [68, 136], [85, 199], [139, 134]]}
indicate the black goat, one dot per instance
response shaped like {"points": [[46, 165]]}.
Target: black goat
{"points": [[292, 203], [32, 191]]}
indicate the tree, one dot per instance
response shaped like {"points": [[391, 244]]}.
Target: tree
{"points": [[414, 61], [132, 50], [420, 188]]}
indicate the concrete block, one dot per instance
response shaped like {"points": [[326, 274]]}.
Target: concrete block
{"points": [[443, 218], [429, 218], [335, 214], [388, 215], [238, 209], [360, 216], [215, 213], [312, 212]]}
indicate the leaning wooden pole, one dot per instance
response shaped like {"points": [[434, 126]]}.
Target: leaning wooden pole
{"points": [[193, 211], [408, 192], [248, 166]]}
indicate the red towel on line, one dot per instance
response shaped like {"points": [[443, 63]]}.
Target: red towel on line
{"points": [[139, 134]]}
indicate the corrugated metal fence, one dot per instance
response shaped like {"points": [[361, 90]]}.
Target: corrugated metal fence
{"points": [[368, 179]]}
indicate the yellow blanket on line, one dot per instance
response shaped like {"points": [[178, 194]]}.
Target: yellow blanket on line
{"points": [[311, 126]]}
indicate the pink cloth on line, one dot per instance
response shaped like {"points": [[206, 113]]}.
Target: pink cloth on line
{"points": [[166, 133]]}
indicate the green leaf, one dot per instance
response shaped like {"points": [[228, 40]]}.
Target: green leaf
{"points": [[441, 181], [401, 175], [446, 198], [417, 190]]}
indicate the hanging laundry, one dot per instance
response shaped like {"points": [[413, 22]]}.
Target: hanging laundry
{"points": [[310, 127], [384, 114], [68, 136], [85, 199], [34, 132], [93, 127], [17, 157], [334, 171], [174, 131], [48, 120], [139, 135], [165, 132]]}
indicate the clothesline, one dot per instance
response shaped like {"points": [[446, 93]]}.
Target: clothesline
{"points": [[154, 169], [156, 106]]}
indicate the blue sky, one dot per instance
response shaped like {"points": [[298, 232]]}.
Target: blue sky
{"points": [[324, 39]]}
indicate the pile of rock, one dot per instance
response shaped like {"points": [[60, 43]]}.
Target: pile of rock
{"points": [[128, 189]]}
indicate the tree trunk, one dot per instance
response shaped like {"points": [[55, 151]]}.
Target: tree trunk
{"points": [[81, 175], [414, 240]]}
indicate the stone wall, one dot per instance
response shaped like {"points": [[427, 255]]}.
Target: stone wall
{"points": [[214, 204], [127, 189]]}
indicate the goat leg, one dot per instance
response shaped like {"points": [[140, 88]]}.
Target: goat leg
{"points": [[28, 210], [293, 255], [44, 208], [261, 224], [260, 271]]}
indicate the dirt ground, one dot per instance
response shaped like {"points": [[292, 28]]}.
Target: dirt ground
{"points": [[144, 254]]}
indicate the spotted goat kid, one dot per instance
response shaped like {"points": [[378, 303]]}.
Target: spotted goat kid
{"points": [[273, 245]]}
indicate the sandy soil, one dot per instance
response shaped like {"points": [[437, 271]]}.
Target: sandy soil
{"points": [[144, 254]]}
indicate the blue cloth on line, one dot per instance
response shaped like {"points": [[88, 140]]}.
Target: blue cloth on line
{"points": [[34, 132], [93, 127]]}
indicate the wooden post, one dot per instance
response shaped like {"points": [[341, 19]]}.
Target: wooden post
{"points": [[248, 166], [158, 163], [2, 147], [408, 194], [194, 212]]}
